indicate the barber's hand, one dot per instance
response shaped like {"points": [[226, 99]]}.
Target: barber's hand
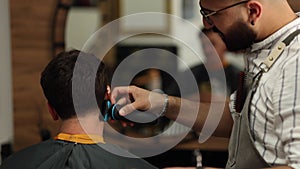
{"points": [[133, 98], [190, 168], [180, 168]]}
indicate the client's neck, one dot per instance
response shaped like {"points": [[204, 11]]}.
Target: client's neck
{"points": [[88, 124]]}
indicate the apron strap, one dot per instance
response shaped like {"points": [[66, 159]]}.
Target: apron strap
{"points": [[276, 51], [244, 86]]}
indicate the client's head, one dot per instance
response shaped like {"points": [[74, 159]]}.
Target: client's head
{"points": [[69, 78]]}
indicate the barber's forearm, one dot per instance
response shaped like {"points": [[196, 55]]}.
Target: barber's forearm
{"points": [[187, 112], [280, 167]]}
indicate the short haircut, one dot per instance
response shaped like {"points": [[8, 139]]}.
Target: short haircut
{"points": [[56, 81]]}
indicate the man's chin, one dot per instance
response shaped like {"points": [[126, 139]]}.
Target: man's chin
{"points": [[236, 48]]}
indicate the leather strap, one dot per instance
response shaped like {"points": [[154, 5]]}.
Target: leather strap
{"points": [[277, 51]]}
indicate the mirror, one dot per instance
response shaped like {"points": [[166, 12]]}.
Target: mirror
{"points": [[140, 24], [74, 22]]}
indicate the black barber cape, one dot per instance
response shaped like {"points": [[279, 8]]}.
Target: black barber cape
{"points": [[58, 154]]}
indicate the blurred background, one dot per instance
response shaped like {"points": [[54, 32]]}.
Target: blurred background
{"points": [[33, 31]]}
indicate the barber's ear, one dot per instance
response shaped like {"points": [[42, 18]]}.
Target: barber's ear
{"points": [[52, 111], [107, 94], [255, 11]]}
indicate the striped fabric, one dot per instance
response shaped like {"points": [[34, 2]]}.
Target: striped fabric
{"points": [[275, 107]]}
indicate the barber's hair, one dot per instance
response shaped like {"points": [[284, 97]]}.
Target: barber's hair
{"points": [[56, 81]]}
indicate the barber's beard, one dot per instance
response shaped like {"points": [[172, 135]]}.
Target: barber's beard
{"points": [[239, 37]]}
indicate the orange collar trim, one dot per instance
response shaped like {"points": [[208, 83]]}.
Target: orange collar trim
{"points": [[80, 138]]}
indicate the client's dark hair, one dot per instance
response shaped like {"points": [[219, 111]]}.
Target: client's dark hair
{"points": [[57, 80]]}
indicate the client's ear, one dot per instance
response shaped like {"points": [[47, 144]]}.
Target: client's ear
{"points": [[107, 94], [52, 112]]}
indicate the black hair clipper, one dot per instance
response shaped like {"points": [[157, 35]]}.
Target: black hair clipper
{"points": [[111, 112]]}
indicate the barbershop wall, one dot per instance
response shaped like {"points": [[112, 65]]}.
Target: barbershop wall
{"points": [[31, 51], [6, 110]]}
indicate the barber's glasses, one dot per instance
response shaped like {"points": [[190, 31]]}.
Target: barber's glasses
{"points": [[206, 13]]}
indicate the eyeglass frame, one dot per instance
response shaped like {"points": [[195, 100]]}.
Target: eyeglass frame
{"points": [[206, 16]]}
